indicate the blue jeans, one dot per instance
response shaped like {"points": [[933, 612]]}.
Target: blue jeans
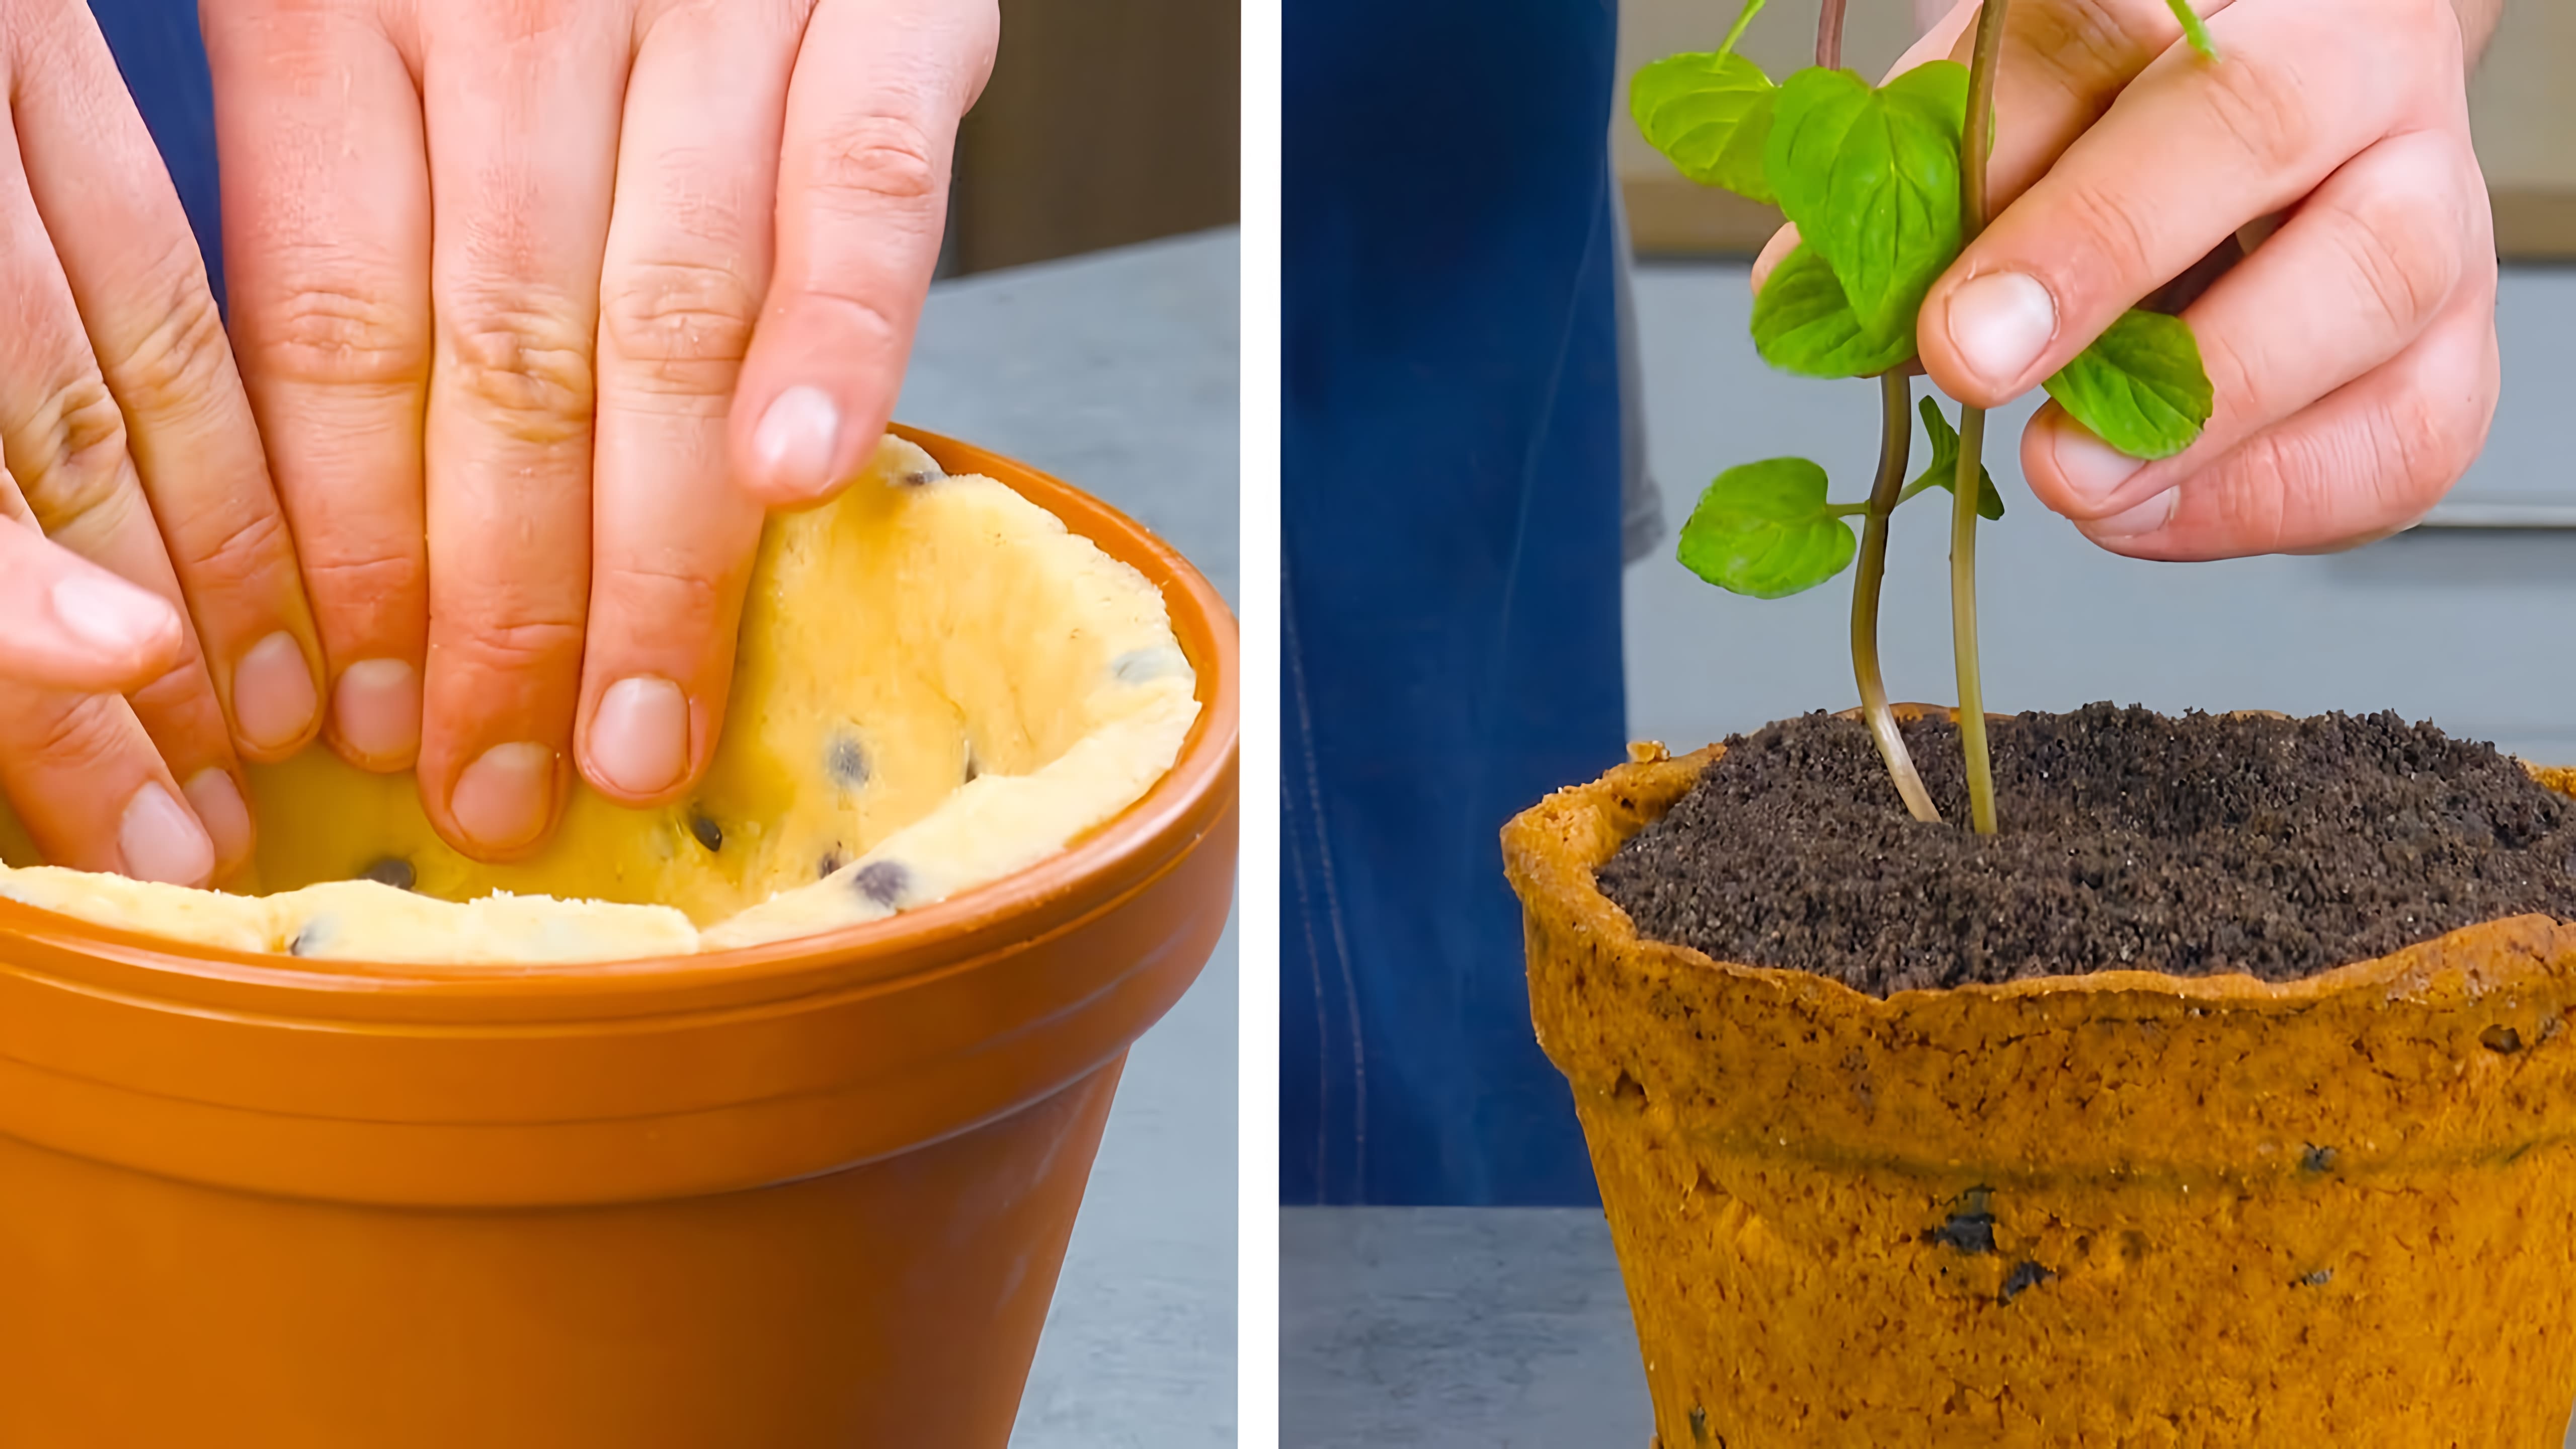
{"points": [[163, 59], [1450, 516]]}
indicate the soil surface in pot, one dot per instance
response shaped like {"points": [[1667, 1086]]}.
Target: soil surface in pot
{"points": [[2199, 845]]}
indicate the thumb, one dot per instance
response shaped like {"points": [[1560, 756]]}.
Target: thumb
{"points": [[73, 625]]}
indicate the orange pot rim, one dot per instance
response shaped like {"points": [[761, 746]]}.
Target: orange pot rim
{"points": [[1093, 874], [1798, 1065], [1652, 767]]}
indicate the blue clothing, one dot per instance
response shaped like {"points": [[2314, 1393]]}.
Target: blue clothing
{"points": [[163, 59], [1450, 527]]}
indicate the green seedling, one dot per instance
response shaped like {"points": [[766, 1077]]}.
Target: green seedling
{"points": [[1886, 185]]}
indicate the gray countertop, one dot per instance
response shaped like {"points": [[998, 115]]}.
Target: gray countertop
{"points": [[1446, 1328], [1117, 373], [1457, 1328]]}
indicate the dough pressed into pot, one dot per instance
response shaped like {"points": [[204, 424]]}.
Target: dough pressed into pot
{"points": [[938, 685]]}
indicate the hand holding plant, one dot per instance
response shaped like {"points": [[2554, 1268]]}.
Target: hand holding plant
{"points": [[2352, 353], [2354, 356]]}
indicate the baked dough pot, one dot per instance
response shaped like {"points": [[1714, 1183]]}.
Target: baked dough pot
{"points": [[2125, 1209], [814, 1192]]}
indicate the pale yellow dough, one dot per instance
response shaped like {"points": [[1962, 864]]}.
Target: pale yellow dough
{"points": [[938, 685]]}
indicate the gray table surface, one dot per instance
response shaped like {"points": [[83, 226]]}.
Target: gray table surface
{"points": [[1458, 1328], [1446, 1328], [1116, 372]]}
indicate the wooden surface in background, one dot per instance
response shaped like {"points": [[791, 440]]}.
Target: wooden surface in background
{"points": [[1670, 216], [2535, 224], [2522, 108], [1107, 122]]}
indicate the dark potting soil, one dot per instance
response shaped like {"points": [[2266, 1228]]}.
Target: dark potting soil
{"points": [[2130, 840]]}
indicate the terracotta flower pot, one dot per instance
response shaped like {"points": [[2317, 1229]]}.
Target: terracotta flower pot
{"points": [[802, 1194], [2113, 1210]]}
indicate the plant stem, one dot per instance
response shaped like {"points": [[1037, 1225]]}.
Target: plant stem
{"points": [[1895, 439], [1896, 436], [1963, 625], [1975, 134], [1735, 32]]}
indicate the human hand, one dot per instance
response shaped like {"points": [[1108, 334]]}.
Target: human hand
{"points": [[2352, 348], [132, 684], [495, 270]]}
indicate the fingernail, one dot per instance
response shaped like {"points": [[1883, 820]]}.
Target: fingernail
{"points": [[273, 695], [376, 706], [640, 737], [2093, 469], [218, 803], [796, 440], [161, 841], [2135, 522], [502, 800], [2000, 322], [111, 615]]}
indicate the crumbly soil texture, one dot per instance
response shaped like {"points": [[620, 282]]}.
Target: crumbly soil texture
{"points": [[2200, 846]]}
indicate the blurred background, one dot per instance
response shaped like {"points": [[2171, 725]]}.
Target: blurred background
{"points": [[1483, 1326], [2520, 102], [1108, 122]]}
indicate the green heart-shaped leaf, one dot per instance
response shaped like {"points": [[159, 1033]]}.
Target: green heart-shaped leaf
{"points": [[1711, 113], [1803, 323], [1764, 529], [1871, 177], [2139, 387], [1943, 470]]}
